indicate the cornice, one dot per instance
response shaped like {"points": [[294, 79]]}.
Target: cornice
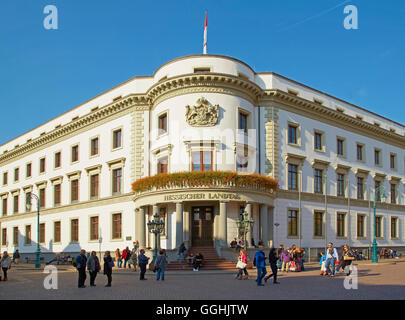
{"points": [[312, 109], [203, 83], [135, 100]]}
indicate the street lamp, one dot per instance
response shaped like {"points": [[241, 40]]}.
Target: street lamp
{"points": [[244, 224], [383, 199], [156, 227], [29, 205]]}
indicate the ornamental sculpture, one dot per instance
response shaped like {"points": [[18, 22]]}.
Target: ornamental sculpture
{"points": [[202, 114]]}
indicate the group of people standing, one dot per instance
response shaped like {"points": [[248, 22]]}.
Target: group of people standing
{"points": [[331, 262], [127, 256]]}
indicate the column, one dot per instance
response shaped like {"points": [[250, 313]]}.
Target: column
{"points": [[140, 227], [179, 223], [222, 224], [248, 209], [186, 229], [264, 224]]}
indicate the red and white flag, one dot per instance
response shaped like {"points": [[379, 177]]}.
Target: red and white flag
{"points": [[205, 35]]}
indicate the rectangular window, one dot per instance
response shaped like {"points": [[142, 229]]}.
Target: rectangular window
{"points": [[242, 164], [359, 152], [15, 236], [163, 123], [292, 177], [28, 234], [341, 225], [117, 139], [318, 224], [394, 228], [42, 198], [162, 165], [360, 188], [15, 201], [94, 147], [116, 224], [340, 147], [58, 160], [42, 165], [28, 170], [202, 161], [42, 233], [16, 174], [292, 134], [93, 228], [57, 231], [57, 194], [74, 190], [117, 180], [292, 223], [74, 230], [4, 237], [340, 185], [75, 153], [318, 141], [243, 122], [318, 181], [377, 157], [5, 178], [393, 187], [4, 207], [377, 185], [94, 186], [378, 227], [393, 161], [360, 226], [28, 201]]}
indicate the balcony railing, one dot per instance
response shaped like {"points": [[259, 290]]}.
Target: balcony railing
{"points": [[205, 179]]}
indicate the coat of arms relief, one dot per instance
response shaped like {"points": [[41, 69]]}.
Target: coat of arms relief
{"points": [[202, 114]]}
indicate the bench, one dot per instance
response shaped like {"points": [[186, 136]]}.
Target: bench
{"points": [[33, 260]]}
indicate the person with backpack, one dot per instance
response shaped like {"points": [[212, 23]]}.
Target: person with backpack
{"points": [[161, 264], [108, 265], [81, 262], [5, 263], [273, 266], [322, 262], [93, 266], [260, 263]]}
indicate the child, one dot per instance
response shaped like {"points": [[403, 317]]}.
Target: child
{"points": [[322, 263]]}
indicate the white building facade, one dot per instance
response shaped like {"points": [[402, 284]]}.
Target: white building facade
{"points": [[205, 113]]}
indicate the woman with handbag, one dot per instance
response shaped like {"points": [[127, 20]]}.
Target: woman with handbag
{"points": [[346, 259], [241, 265], [108, 265]]}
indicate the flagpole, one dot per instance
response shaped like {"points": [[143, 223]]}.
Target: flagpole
{"points": [[205, 35]]}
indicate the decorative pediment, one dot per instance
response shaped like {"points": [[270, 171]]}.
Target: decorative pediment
{"points": [[202, 114], [361, 173], [340, 168], [322, 164], [294, 158]]}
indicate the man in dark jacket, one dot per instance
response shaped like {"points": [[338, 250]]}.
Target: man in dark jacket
{"points": [[142, 262], [260, 265], [81, 262]]}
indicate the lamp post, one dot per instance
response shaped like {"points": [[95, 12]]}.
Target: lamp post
{"points": [[156, 227], [244, 224], [38, 251], [383, 199]]}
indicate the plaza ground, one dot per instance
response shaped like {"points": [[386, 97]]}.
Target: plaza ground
{"points": [[383, 281]]}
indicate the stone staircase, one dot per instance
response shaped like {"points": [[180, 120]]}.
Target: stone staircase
{"points": [[211, 261]]}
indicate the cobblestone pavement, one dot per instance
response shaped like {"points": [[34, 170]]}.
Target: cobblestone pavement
{"points": [[383, 281]]}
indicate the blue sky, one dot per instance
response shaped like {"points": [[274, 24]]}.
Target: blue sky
{"points": [[101, 43]]}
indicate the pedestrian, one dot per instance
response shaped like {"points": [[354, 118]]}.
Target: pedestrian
{"points": [[126, 254], [5, 263], [198, 261], [142, 262], [346, 260], [182, 252], [161, 265], [279, 252], [331, 258], [285, 260], [322, 262], [273, 266], [93, 266], [108, 265], [260, 265], [16, 257], [81, 262], [241, 265], [118, 258], [133, 260]]}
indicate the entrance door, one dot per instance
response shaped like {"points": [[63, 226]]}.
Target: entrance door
{"points": [[202, 230]]}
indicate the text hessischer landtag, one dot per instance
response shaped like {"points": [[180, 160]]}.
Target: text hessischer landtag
{"points": [[203, 196]]}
